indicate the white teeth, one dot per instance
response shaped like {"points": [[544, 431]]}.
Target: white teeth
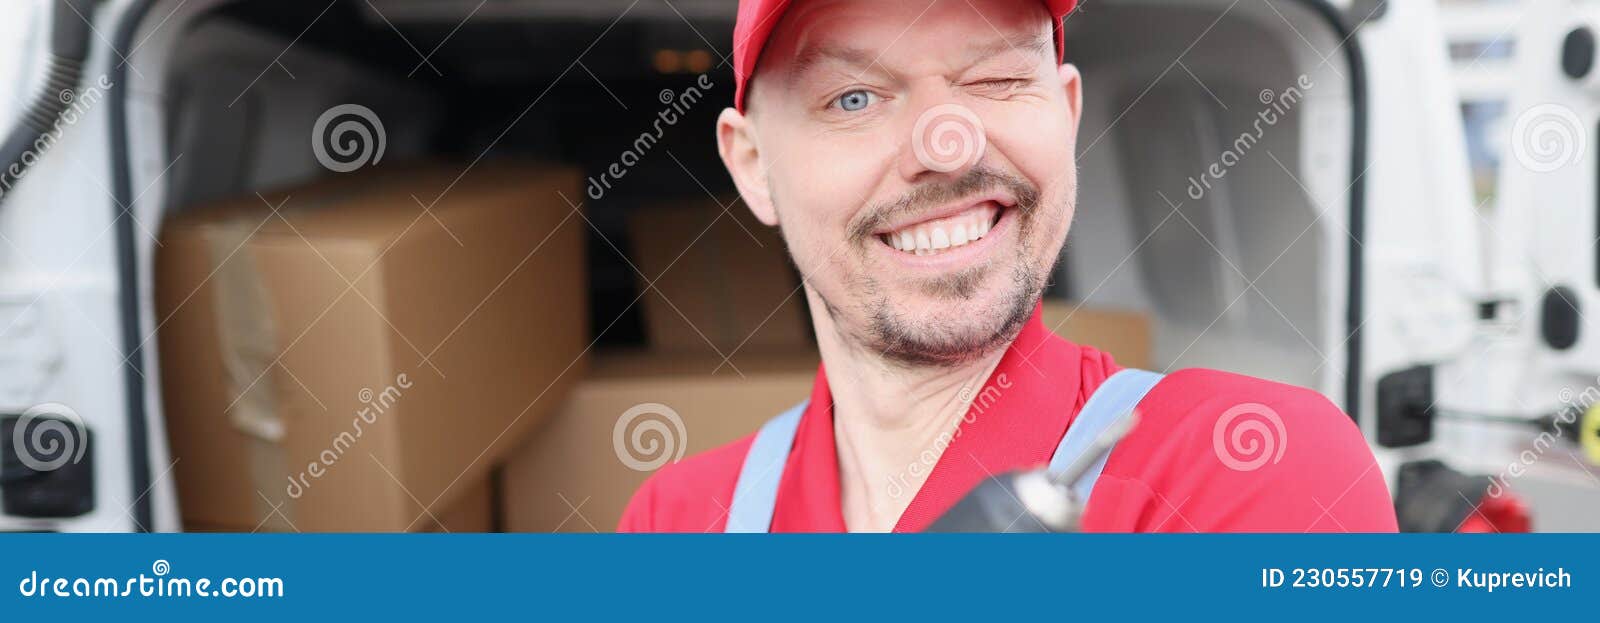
{"points": [[928, 239]]}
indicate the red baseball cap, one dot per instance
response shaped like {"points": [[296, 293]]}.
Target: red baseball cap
{"points": [[757, 18]]}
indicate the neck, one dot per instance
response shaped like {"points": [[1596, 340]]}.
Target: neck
{"points": [[891, 423]]}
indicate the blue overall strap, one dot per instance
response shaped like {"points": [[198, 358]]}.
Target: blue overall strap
{"points": [[1111, 401], [756, 492]]}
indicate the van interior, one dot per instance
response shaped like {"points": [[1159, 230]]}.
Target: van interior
{"points": [[1218, 153], [1237, 278]]}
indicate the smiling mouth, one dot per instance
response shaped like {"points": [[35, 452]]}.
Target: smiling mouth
{"points": [[940, 235]]}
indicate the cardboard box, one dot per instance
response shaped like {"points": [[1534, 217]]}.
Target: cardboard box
{"points": [[354, 357], [578, 472], [1123, 333], [722, 280], [474, 512]]}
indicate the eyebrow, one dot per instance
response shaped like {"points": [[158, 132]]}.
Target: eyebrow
{"points": [[1027, 44], [811, 57]]}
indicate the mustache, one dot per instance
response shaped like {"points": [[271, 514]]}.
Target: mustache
{"points": [[934, 194]]}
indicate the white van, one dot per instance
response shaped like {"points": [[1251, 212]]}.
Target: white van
{"points": [[1281, 184]]}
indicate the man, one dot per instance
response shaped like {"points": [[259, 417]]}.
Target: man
{"points": [[917, 156]]}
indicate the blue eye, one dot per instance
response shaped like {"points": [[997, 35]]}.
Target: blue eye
{"points": [[853, 101]]}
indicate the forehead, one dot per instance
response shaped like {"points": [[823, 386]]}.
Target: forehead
{"points": [[897, 32]]}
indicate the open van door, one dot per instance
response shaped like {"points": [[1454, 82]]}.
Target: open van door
{"points": [[1547, 223], [1418, 267], [1283, 186], [71, 456], [1547, 266]]}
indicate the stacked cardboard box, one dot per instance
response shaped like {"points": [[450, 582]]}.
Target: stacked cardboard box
{"points": [[633, 414], [722, 287], [722, 281], [359, 353], [1123, 333]]}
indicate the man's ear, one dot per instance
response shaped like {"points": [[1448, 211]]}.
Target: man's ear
{"points": [[741, 154], [1072, 84]]}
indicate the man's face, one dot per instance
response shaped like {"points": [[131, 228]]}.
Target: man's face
{"points": [[919, 161]]}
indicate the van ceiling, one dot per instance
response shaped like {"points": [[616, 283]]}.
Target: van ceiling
{"points": [[602, 10], [497, 41]]}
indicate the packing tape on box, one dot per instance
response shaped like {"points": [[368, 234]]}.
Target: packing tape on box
{"points": [[245, 330], [248, 342]]}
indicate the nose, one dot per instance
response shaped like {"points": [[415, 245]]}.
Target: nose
{"points": [[945, 138]]}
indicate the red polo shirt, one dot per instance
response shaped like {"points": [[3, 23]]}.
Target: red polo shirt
{"points": [[1188, 466]]}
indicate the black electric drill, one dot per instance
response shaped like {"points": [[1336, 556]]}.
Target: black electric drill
{"points": [[1032, 500]]}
